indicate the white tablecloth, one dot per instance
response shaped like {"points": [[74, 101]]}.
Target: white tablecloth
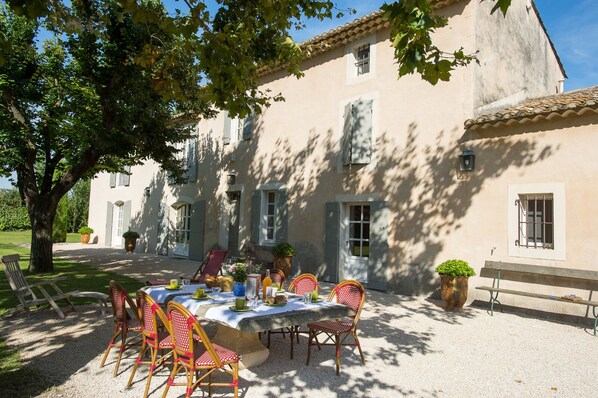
{"points": [[160, 294], [193, 305], [232, 318]]}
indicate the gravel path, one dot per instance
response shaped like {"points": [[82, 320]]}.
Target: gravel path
{"points": [[413, 348]]}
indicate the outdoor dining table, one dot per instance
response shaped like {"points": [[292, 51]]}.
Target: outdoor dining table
{"points": [[238, 331]]}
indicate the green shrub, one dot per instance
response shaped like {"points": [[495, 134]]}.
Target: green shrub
{"points": [[131, 235], [85, 230], [455, 268], [283, 249], [13, 214]]}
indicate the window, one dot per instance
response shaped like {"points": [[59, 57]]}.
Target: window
{"points": [[121, 179], [237, 129], [359, 230], [269, 217], [536, 221], [269, 214], [183, 219], [186, 155], [362, 59]]}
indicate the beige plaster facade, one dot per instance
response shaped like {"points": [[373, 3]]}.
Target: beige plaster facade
{"points": [[423, 209]]}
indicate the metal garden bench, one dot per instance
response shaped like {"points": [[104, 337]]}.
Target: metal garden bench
{"points": [[540, 275]]}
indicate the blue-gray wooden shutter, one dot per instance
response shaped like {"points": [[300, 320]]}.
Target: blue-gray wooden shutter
{"points": [[361, 131], [346, 140], [197, 230], [192, 160], [109, 216], [332, 235], [256, 210], [127, 216], [378, 260], [282, 216], [248, 126], [126, 177], [226, 131], [112, 180], [162, 235]]}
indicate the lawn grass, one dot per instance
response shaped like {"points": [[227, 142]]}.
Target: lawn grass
{"points": [[17, 380], [78, 276]]}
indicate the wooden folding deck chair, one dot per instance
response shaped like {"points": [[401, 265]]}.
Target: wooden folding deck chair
{"points": [[211, 265], [24, 292]]}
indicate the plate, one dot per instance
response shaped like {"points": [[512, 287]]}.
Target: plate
{"points": [[172, 288], [316, 300], [201, 298], [233, 308], [276, 305]]}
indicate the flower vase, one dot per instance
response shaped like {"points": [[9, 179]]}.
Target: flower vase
{"points": [[239, 289]]}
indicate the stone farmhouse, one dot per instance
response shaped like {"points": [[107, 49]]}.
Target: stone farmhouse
{"points": [[378, 179]]}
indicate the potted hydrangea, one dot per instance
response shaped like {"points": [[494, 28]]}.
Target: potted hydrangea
{"points": [[454, 278]]}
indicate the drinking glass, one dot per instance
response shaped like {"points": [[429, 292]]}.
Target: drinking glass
{"points": [[216, 290], [250, 298], [307, 298], [185, 283]]}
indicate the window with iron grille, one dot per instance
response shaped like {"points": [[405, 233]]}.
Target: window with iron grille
{"points": [[535, 221], [362, 59]]}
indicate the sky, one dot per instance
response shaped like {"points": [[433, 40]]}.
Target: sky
{"points": [[571, 24]]}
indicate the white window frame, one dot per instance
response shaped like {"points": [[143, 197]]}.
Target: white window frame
{"points": [[351, 54], [236, 130], [515, 192], [183, 152], [266, 215], [361, 239], [182, 223]]}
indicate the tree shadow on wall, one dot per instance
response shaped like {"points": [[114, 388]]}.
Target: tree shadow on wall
{"points": [[156, 220]]}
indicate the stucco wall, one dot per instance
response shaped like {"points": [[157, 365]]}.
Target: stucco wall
{"points": [[516, 59], [559, 151], [436, 212]]}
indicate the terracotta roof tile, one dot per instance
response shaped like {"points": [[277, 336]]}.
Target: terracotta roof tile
{"points": [[563, 104], [346, 33]]}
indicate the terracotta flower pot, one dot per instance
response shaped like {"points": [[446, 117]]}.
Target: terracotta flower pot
{"points": [[453, 290], [85, 238], [284, 264], [130, 244]]}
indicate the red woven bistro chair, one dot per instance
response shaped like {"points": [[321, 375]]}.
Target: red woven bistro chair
{"points": [[304, 283], [126, 319], [156, 338], [352, 294], [277, 276], [196, 355]]}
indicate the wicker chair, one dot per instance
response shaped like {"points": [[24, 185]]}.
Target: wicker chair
{"points": [[156, 337], [196, 355], [352, 294], [126, 319], [277, 276], [302, 284]]}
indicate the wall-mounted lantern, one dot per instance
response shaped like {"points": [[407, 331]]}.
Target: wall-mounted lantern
{"points": [[231, 178], [466, 160], [146, 191]]}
